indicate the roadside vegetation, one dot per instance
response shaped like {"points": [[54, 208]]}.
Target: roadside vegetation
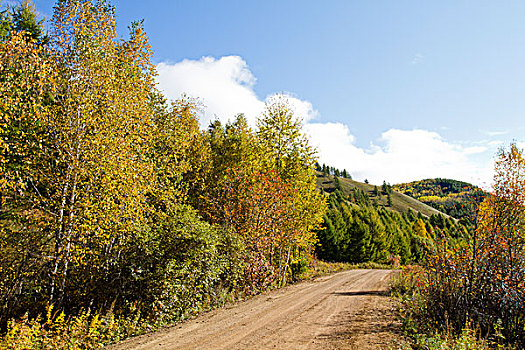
{"points": [[472, 295], [118, 213]]}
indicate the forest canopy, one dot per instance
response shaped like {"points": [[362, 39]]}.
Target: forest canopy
{"points": [[113, 198]]}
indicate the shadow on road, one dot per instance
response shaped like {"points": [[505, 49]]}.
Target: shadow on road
{"points": [[375, 292]]}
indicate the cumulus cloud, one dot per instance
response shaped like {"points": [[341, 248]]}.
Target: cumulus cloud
{"points": [[475, 150], [225, 87], [399, 155]]}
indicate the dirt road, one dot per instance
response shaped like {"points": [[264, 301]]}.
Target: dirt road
{"points": [[347, 310]]}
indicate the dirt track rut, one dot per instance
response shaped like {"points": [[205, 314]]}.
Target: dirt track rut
{"points": [[334, 312]]}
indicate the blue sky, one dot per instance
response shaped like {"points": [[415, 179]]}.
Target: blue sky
{"points": [[390, 90]]}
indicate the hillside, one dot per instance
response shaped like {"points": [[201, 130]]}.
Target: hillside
{"points": [[400, 202], [455, 198], [369, 223]]}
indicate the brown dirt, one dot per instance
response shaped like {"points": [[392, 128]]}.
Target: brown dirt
{"points": [[347, 310]]}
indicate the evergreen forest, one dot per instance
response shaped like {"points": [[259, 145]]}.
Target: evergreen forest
{"points": [[363, 226]]}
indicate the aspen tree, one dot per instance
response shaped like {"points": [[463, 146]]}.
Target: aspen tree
{"points": [[280, 133], [103, 123], [75, 127]]}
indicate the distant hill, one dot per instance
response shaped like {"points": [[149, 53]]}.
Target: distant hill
{"points": [[399, 202], [375, 223], [455, 198]]}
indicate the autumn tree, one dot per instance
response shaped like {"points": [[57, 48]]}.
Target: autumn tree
{"points": [[281, 136], [178, 261], [249, 198], [111, 197], [233, 147], [499, 246], [261, 185], [103, 123], [27, 77], [179, 149], [80, 113], [483, 282]]}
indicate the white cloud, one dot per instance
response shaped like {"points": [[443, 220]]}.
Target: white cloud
{"points": [[496, 143], [225, 86], [475, 150], [417, 58], [496, 133], [400, 156]]}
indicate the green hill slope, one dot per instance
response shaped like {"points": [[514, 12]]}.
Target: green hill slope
{"points": [[400, 202]]}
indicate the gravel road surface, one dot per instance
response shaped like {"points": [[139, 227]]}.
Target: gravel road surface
{"points": [[346, 310]]}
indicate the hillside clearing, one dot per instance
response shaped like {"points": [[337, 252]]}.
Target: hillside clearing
{"points": [[400, 202]]}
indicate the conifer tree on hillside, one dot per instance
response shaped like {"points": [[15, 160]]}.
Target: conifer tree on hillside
{"points": [[20, 19]]}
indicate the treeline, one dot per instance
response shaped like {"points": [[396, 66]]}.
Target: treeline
{"points": [[113, 199], [356, 230], [330, 170], [455, 198]]}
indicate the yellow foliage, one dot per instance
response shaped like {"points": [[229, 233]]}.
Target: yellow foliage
{"points": [[75, 135], [432, 199], [82, 331], [420, 229]]}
